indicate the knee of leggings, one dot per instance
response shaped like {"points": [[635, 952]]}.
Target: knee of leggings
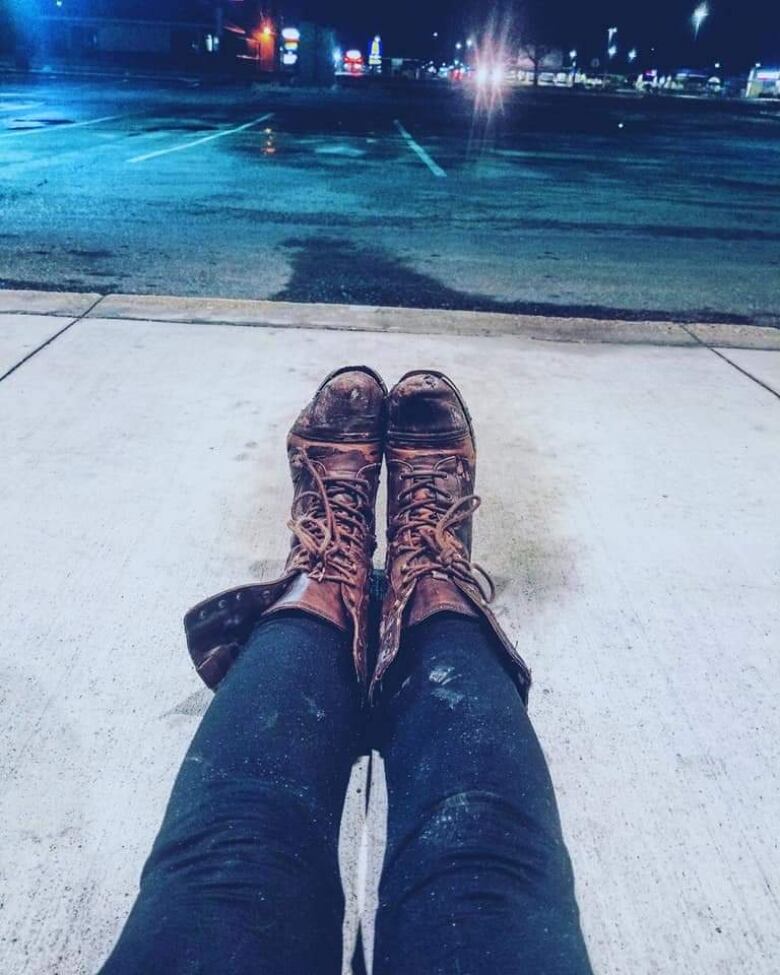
{"points": [[480, 834], [241, 835]]}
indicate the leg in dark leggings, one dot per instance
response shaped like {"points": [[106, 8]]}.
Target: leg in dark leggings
{"points": [[243, 876], [477, 879]]}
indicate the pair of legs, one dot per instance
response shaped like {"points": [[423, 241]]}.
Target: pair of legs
{"points": [[244, 878]]}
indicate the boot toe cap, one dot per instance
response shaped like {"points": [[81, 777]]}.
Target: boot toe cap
{"points": [[349, 404], [427, 403]]}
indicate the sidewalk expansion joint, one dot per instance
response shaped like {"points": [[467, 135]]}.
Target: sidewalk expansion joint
{"points": [[725, 358], [52, 338]]}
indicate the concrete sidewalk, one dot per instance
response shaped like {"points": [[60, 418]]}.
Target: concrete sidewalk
{"points": [[630, 485]]}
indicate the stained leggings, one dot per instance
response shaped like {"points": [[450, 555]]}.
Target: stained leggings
{"points": [[243, 876]]}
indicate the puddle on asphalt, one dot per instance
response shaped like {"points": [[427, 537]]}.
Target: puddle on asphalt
{"points": [[310, 152], [23, 124], [341, 150], [9, 105]]}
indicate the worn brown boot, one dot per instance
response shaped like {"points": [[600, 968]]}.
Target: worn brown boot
{"points": [[335, 453], [431, 457]]}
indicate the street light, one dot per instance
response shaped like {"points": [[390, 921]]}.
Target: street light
{"points": [[458, 46], [610, 34], [470, 42], [698, 17], [632, 55], [572, 55], [612, 51]]}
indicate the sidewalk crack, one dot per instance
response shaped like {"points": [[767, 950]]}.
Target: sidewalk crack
{"points": [[51, 339]]}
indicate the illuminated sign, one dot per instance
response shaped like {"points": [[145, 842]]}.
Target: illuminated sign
{"points": [[290, 38], [375, 53], [353, 62]]}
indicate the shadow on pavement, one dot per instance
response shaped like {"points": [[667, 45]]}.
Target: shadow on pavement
{"points": [[332, 271]]}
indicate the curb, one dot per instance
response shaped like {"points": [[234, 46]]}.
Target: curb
{"points": [[370, 318]]}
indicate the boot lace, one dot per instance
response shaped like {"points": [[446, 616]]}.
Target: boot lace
{"points": [[425, 528], [331, 524]]}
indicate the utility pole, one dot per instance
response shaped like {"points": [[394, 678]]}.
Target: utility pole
{"points": [[219, 23]]}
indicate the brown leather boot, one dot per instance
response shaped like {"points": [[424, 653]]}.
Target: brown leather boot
{"points": [[431, 456], [335, 453]]}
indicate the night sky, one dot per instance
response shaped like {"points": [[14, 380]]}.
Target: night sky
{"points": [[736, 33]]}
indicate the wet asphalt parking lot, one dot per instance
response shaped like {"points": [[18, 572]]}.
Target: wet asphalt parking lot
{"points": [[555, 202]]}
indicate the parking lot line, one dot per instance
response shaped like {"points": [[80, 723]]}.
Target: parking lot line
{"points": [[199, 142], [434, 167], [59, 128]]}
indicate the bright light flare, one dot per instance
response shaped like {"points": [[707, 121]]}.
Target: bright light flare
{"points": [[491, 56], [698, 17], [489, 76]]}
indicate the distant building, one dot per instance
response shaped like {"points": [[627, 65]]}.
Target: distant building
{"points": [[538, 64], [167, 29], [763, 83], [249, 37]]}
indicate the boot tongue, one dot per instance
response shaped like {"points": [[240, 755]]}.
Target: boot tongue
{"points": [[340, 460], [436, 594], [427, 490]]}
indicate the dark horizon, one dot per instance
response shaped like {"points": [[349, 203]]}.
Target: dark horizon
{"points": [[735, 35]]}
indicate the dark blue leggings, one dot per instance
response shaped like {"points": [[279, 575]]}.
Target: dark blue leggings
{"points": [[243, 876]]}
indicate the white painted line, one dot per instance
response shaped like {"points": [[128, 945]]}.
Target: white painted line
{"points": [[434, 167], [59, 128], [199, 142]]}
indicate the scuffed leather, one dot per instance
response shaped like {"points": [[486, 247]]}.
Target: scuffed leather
{"points": [[431, 460], [335, 452], [436, 594], [217, 628]]}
